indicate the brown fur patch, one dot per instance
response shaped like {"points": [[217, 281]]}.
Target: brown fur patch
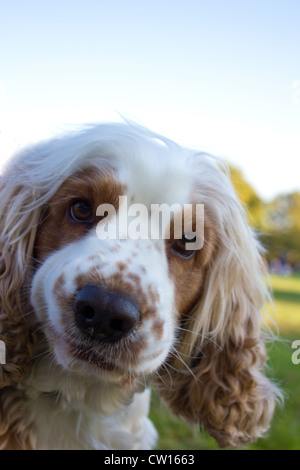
{"points": [[121, 266], [59, 283], [188, 273], [114, 248], [158, 329], [153, 295], [57, 228]]}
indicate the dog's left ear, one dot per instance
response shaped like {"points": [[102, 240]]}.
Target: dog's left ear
{"points": [[17, 233], [215, 376]]}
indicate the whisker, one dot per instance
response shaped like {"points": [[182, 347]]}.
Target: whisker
{"points": [[202, 336], [164, 365], [176, 354]]}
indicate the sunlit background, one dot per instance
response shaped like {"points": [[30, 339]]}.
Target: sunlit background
{"points": [[218, 74], [222, 75]]}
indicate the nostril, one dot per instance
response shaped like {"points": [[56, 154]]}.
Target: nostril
{"points": [[84, 314], [124, 322], [117, 325], [87, 312]]}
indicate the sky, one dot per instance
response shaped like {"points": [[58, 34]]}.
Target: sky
{"points": [[218, 75]]}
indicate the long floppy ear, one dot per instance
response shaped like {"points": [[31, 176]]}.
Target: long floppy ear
{"points": [[215, 377], [17, 233]]}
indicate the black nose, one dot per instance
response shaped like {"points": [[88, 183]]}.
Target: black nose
{"points": [[106, 314]]}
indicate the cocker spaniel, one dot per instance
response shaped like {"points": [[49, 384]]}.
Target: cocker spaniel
{"points": [[93, 313]]}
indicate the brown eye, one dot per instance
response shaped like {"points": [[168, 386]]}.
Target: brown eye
{"points": [[81, 211], [181, 246]]}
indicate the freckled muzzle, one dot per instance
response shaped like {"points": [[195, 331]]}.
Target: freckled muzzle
{"points": [[107, 315]]}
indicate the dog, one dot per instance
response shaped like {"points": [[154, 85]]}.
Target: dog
{"points": [[95, 310]]}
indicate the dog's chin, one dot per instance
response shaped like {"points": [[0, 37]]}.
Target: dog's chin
{"points": [[121, 364], [82, 361], [92, 366]]}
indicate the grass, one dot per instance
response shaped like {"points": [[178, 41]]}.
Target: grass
{"points": [[285, 429], [286, 291]]}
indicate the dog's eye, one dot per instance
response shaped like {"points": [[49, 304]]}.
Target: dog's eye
{"points": [[81, 211], [181, 246]]}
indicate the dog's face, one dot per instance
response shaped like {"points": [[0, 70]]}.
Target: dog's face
{"points": [[113, 307], [118, 299]]}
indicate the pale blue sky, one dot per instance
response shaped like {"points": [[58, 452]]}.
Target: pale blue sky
{"points": [[223, 74]]}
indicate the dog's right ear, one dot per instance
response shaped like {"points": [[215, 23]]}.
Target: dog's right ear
{"points": [[17, 234], [215, 374]]}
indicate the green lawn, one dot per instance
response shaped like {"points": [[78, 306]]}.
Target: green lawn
{"points": [[285, 429]]}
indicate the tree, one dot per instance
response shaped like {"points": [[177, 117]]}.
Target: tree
{"points": [[277, 222], [283, 228], [254, 205]]}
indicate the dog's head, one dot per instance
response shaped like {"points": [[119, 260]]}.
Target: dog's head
{"points": [[138, 261]]}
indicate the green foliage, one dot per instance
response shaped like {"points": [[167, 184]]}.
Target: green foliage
{"points": [[278, 221], [248, 197], [284, 212], [283, 228]]}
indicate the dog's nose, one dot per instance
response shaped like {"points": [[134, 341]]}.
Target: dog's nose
{"points": [[105, 314]]}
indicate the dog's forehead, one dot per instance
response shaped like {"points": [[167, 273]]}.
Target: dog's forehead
{"points": [[156, 177]]}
